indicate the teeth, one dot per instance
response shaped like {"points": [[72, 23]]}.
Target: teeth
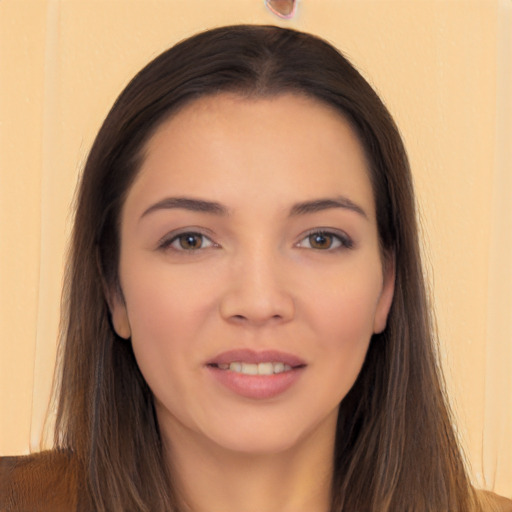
{"points": [[265, 369], [278, 367], [249, 369], [235, 367], [256, 369]]}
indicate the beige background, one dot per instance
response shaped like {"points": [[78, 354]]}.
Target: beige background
{"points": [[444, 67]]}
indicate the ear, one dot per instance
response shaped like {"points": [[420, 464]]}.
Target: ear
{"points": [[386, 296], [119, 315], [115, 300]]}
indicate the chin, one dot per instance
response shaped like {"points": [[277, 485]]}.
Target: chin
{"points": [[259, 444], [269, 435]]}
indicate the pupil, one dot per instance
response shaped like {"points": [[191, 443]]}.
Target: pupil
{"points": [[320, 241], [190, 241]]}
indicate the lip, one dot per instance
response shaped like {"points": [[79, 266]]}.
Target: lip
{"points": [[256, 387], [255, 357]]}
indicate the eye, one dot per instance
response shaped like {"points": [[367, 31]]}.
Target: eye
{"points": [[325, 240], [188, 241]]}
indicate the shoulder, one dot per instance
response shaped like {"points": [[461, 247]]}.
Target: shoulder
{"points": [[493, 502], [39, 482]]}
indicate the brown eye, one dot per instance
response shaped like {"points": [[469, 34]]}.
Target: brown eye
{"points": [[326, 241], [320, 240], [189, 241]]}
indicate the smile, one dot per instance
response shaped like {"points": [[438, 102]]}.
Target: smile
{"points": [[257, 375], [265, 368]]}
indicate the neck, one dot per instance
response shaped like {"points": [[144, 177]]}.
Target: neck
{"points": [[209, 478]]}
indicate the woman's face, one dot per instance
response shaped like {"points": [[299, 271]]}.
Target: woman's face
{"points": [[250, 269]]}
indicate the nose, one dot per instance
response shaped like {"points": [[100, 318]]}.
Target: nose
{"points": [[258, 293]]}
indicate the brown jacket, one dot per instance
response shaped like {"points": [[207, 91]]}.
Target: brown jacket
{"points": [[50, 482]]}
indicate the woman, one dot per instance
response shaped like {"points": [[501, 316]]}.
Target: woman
{"points": [[247, 326]]}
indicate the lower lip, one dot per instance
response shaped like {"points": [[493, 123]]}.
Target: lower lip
{"points": [[259, 387]]}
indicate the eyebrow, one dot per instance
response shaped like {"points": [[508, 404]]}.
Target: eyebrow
{"points": [[318, 205], [212, 207], [187, 203]]}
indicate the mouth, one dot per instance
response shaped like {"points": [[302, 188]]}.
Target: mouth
{"points": [[256, 375], [264, 368], [250, 362]]}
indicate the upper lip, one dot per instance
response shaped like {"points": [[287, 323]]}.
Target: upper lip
{"points": [[255, 357]]}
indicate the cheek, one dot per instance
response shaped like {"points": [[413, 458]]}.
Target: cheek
{"points": [[343, 318], [347, 306], [343, 350], [167, 315], [163, 300]]}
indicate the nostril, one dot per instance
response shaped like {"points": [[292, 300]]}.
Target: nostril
{"points": [[256, 307]]}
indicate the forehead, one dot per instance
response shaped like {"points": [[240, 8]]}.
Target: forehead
{"points": [[228, 146]]}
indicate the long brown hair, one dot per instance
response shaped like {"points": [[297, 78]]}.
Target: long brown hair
{"points": [[395, 446]]}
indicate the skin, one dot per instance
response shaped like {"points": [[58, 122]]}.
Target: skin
{"points": [[255, 280]]}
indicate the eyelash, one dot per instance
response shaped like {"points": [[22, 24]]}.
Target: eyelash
{"points": [[340, 240]]}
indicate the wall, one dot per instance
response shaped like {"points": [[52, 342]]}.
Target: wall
{"points": [[444, 68]]}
